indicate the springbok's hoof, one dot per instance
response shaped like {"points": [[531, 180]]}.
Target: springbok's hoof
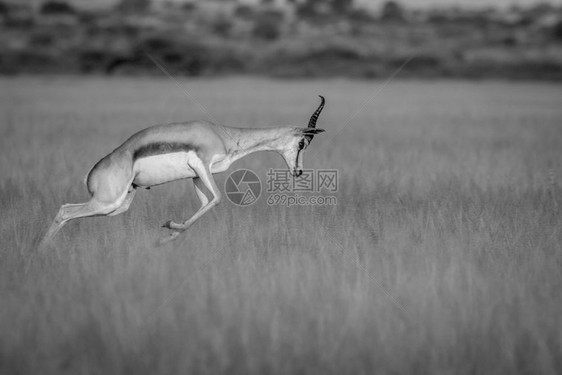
{"points": [[169, 224]]}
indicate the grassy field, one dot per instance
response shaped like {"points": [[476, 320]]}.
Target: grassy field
{"points": [[443, 254]]}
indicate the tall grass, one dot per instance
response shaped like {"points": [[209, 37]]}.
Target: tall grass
{"points": [[443, 254]]}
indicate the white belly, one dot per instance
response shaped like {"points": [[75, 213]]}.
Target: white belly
{"points": [[159, 169]]}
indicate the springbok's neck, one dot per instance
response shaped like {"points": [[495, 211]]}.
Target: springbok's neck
{"points": [[244, 141]]}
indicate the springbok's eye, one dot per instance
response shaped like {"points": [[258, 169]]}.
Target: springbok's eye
{"points": [[301, 144]]}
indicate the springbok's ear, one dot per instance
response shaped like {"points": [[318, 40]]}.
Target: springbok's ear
{"points": [[313, 131]]}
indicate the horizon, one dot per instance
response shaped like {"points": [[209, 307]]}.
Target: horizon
{"points": [[465, 3], [378, 3]]}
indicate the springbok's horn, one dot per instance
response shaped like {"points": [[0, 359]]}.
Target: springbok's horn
{"points": [[314, 117], [312, 122]]}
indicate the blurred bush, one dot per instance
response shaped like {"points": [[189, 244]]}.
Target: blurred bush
{"points": [[57, 8], [311, 38]]}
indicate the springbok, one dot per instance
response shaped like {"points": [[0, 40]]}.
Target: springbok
{"points": [[164, 153]]}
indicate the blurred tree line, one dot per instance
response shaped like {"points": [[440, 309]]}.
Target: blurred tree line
{"points": [[291, 38]]}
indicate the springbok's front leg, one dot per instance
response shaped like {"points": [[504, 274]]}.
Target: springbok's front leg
{"points": [[205, 178]]}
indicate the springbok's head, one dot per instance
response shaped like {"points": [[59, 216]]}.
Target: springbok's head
{"points": [[299, 139]]}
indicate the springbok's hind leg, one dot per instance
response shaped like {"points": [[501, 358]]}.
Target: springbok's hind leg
{"points": [[64, 214], [126, 203], [74, 211]]}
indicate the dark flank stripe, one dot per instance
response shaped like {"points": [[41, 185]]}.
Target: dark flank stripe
{"points": [[160, 148]]}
